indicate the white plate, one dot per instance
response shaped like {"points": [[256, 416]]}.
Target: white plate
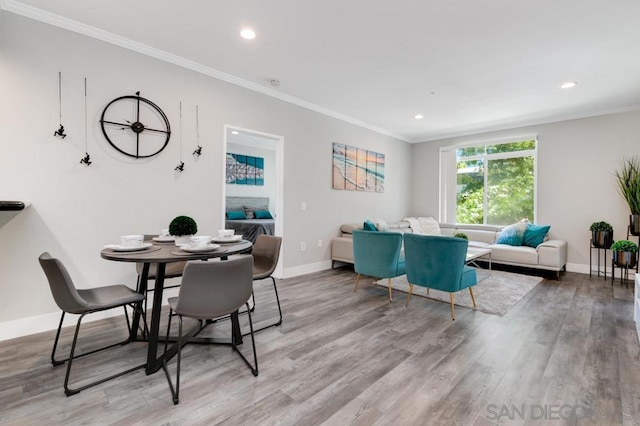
{"points": [[233, 239], [164, 239], [117, 247], [196, 249]]}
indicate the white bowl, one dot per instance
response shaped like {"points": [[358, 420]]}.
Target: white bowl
{"points": [[200, 240], [225, 233], [131, 240]]}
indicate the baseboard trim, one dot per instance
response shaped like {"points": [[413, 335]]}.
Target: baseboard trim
{"points": [[307, 269]]}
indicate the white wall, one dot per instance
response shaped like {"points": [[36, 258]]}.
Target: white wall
{"points": [[576, 186], [269, 188], [76, 209]]}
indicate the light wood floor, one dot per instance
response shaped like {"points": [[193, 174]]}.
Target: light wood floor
{"points": [[344, 358]]}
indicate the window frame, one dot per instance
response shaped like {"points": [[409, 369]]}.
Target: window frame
{"points": [[448, 173]]}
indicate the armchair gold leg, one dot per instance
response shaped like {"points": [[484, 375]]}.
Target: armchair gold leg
{"points": [[356, 286], [390, 295], [453, 313], [428, 290], [409, 295], [473, 299]]}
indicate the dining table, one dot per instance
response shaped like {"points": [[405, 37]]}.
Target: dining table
{"points": [[161, 254]]}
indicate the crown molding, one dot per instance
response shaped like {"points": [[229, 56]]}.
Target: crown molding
{"points": [[93, 32]]}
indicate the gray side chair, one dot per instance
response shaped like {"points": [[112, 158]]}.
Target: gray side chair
{"points": [[266, 252], [211, 289], [84, 302]]}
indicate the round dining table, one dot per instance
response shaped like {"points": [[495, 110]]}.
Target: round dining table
{"points": [[161, 254]]}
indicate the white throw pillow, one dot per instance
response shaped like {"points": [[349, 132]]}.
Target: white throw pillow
{"points": [[381, 225], [429, 226]]}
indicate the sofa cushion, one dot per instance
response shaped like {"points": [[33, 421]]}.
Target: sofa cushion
{"points": [[512, 235], [534, 235], [262, 214], [381, 225], [511, 254], [369, 226]]}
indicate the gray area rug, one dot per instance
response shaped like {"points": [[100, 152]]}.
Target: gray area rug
{"points": [[495, 293]]}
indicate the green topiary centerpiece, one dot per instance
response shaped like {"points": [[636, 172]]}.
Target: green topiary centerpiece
{"points": [[181, 227], [461, 235]]}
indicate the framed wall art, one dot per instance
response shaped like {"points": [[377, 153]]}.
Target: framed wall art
{"points": [[357, 169]]}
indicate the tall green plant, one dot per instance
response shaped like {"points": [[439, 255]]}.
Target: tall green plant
{"points": [[628, 178]]}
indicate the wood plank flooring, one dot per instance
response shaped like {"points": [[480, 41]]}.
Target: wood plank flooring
{"points": [[567, 353]]}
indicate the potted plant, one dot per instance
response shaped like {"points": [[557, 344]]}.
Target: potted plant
{"points": [[624, 253], [461, 235], [601, 234], [183, 227], [628, 179]]}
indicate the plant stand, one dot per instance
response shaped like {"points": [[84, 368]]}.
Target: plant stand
{"points": [[591, 249], [624, 272], [629, 234]]}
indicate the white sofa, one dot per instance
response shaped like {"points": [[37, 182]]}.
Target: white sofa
{"points": [[551, 255]]}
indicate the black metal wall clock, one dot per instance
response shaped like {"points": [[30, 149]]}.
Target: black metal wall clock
{"points": [[135, 126]]}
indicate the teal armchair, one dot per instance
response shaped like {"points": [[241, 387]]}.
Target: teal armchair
{"points": [[438, 262], [378, 254]]}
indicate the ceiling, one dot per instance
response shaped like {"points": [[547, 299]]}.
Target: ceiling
{"points": [[466, 66]]}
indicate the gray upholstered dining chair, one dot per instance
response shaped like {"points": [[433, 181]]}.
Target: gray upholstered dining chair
{"points": [[266, 252], [211, 289], [83, 302]]}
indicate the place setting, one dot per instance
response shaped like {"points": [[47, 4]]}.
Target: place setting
{"points": [[227, 236], [164, 237], [198, 244], [130, 243]]}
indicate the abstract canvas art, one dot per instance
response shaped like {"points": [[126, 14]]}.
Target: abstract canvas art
{"points": [[357, 169], [245, 170]]}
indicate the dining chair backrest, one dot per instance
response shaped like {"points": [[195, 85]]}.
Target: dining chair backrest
{"points": [[61, 285], [215, 288], [435, 261], [377, 254], [265, 252]]}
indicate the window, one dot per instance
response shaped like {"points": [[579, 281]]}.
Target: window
{"points": [[494, 183]]}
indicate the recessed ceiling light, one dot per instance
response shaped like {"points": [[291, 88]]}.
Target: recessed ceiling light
{"points": [[234, 132], [248, 34], [418, 116], [568, 85]]}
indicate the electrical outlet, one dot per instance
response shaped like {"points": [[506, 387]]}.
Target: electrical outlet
{"points": [[303, 246], [319, 243]]}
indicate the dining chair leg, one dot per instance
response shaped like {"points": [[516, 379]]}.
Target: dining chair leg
{"points": [[277, 323], [254, 369], [55, 343], [409, 294], [473, 299], [390, 293], [428, 290], [356, 286], [453, 313]]}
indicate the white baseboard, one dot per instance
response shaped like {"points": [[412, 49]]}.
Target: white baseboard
{"points": [[307, 269], [584, 269]]}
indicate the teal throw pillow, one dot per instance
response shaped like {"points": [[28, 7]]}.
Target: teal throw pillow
{"points": [[236, 215], [262, 214], [534, 235], [369, 226], [512, 235]]}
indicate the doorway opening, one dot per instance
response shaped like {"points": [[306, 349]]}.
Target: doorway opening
{"points": [[254, 178]]}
